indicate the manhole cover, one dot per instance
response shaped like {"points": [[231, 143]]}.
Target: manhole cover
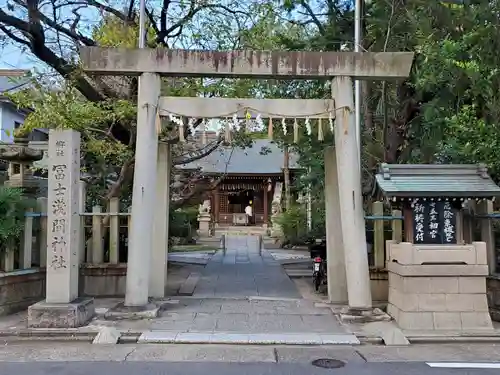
{"points": [[328, 363]]}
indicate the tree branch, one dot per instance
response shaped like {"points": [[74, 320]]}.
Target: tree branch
{"points": [[70, 33], [163, 34], [197, 154], [199, 189], [315, 19], [195, 10], [130, 13], [150, 15], [36, 41], [14, 37], [103, 7]]}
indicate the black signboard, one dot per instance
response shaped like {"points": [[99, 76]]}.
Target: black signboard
{"points": [[434, 222]]}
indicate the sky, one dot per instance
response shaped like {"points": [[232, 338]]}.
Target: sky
{"points": [[11, 57]]}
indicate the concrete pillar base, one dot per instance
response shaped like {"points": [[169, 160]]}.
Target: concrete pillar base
{"points": [[121, 312], [61, 315], [356, 315]]}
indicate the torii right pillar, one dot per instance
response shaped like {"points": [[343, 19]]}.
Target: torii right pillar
{"points": [[350, 197]]}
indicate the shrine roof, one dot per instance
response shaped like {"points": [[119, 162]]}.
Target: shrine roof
{"points": [[433, 180], [263, 157]]}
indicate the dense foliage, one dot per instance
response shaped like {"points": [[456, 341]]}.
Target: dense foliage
{"points": [[12, 209], [446, 111]]}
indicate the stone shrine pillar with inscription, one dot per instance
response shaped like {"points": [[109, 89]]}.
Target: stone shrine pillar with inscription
{"points": [[437, 276], [62, 308]]}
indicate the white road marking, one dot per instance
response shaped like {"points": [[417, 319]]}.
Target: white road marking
{"points": [[464, 364]]}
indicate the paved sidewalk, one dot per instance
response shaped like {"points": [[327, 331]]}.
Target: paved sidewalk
{"points": [[85, 352]]}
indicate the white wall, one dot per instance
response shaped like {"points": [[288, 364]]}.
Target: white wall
{"points": [[8, 117]]}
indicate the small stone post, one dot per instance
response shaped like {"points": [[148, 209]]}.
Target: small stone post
{"points": [[378, 236], [337, 284], [62, 307], [351, 203], [82, 195], [487, 235], [42, 239], [397, 226], [158, 274]]}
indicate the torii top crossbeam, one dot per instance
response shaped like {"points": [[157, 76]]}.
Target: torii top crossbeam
{"points": [[246, 64]]}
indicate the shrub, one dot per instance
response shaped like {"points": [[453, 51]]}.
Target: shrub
{"points": [[293, 223], [13, 206], [183, 223]]}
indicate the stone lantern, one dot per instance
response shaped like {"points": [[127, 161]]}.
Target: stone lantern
{"points": [[20, 158]]}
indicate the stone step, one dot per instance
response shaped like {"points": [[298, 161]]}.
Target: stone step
{"points": [[298, 273], [243, 230], [187, 288]]}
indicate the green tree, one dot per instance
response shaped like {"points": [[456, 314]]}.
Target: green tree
{"points": [[13, 205], [103, 108]]}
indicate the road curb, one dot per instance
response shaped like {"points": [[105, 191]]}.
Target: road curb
{"points": [[132, 337], [61, 334], [453, 339], [172, 337]]}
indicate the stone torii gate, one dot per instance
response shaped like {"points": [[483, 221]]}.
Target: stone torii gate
{"points": [[347, 256]]}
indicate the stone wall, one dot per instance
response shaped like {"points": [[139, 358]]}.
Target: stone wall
{"points": [[493, 286], [103, 280], [20, 289]]}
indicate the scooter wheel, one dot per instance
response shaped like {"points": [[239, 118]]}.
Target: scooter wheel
{"points": [[316, 282]]}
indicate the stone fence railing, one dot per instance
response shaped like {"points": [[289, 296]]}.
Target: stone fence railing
{"points": [[99, 244], [102, 249]]}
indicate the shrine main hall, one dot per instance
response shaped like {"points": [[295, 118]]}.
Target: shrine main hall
{"points": [[253, 175]]}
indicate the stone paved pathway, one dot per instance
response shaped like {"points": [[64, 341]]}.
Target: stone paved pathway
{"points": [[244, 289], [243, 296], [244, 270]]}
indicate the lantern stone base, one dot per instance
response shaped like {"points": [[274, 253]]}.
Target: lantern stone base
{"points": [[61, 315], [204, 225], [439, 297]]}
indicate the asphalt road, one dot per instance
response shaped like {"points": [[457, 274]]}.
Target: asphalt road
{"points": [[204, 368]]}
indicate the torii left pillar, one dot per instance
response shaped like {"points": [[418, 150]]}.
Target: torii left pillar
{"points": [[144, 193]]}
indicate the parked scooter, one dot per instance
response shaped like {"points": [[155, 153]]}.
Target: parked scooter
{"points": [[317, 250]]}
